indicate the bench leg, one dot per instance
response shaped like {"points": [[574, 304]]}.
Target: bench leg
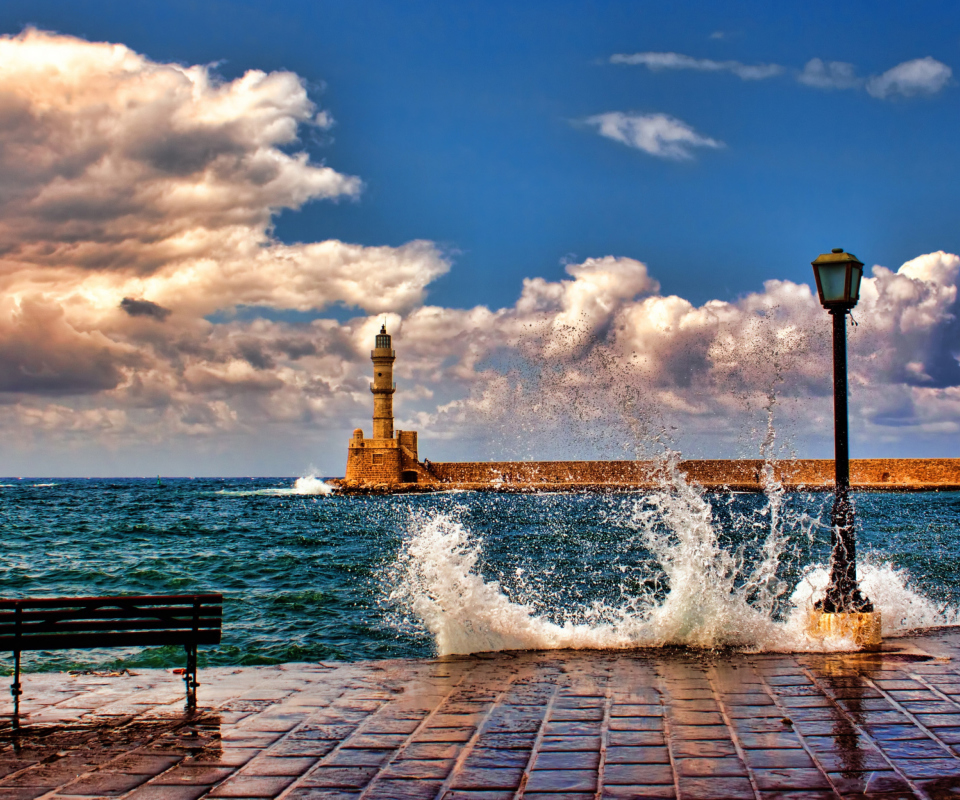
{"points": [[190, 675], [15, 689]]}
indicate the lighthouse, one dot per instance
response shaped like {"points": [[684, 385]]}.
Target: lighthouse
{"points": [[383, 355], [387, 457]]}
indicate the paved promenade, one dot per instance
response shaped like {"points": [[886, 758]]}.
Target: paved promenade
{"points": [[548, 725]]}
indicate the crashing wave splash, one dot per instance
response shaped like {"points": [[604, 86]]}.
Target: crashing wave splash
{"points": [[712, 602]]}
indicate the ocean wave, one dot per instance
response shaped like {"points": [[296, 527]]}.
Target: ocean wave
{"points": [[713, 598]]}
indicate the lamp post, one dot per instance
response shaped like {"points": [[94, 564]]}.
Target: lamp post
{"points": [[844, 610]]}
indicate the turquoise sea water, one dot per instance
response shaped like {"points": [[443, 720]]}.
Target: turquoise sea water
{"points": [[308, 577]]}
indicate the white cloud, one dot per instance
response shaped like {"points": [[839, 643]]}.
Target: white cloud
{"points": [[106, 148], [829, 75], [661, 61], [618, 366], [117, 251], [136, 198], [920, 76], [657, 134]]}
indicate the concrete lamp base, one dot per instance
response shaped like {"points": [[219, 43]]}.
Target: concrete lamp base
{"points": [[863, 628]]}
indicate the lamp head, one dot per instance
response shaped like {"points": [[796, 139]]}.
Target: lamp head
{"points": [[838, 277]]}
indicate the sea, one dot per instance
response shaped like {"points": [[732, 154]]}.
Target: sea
{"points": [[311, 575]]}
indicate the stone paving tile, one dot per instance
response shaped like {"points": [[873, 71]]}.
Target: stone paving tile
{"points": [[247, 786], [155, 792], [559, 795], [697, 749], [637, 755], [419, 769], [637, 774], [487, 778], [927, 768], [542, 725], [575, 760], [341, 777], [706, 732], [405, 789], [762, 759], [493, 758], [322, 794], [618, 792], [104, 783], [771, 741], [706, 767], [193, 776], [790, 778], [22, 794], [589, 743], [562, 780], [714, 788]]}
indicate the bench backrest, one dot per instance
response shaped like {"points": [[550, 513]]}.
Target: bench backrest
{"points": [[60, 623]]}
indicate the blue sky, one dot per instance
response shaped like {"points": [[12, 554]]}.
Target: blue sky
{"points": [[193, 258], [463, 120]]}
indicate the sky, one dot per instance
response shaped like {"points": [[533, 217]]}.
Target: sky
{"points": [[589, 227]]}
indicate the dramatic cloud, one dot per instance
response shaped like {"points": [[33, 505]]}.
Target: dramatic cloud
{"points": [[102, 147], [920, 76], [657, 134], [619, 367], [829, 75], [134, 193], [136, 204], [663, 61], [157, 175]]}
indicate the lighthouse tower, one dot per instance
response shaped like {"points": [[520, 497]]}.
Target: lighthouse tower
{"points": [[383, 386], [384, 458]]}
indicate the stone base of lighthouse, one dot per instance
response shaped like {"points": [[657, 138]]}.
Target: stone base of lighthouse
{"points": [[373, 462]]}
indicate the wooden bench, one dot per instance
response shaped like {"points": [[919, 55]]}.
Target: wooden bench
{"points": [[67, 623]]}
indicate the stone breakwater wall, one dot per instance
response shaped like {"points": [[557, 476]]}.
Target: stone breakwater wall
{"points": [[882, 474]]}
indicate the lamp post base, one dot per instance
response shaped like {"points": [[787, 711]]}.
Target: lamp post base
{"points": [[862, 627]]}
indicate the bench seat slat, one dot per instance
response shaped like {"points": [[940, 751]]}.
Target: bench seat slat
{"points": [[65, 626], [140, 600], [165, 612], [69, 641]]}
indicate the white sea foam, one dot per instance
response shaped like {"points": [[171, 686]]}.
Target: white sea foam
{"points": [[307, 485], [902, 609], [311, 484], [713, 600]]}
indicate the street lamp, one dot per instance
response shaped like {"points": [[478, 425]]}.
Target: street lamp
{"points": [[844, 610]]}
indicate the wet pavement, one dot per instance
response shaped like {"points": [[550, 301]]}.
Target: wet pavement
{"points": [[548, 725]]}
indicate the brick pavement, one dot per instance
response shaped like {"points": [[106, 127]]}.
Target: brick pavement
{"points": [[551, 725]]}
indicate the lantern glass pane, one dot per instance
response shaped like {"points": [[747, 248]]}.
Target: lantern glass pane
{"points": [[833, 278], [856, 273]]}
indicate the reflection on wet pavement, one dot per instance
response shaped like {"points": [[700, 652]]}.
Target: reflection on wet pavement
{"points": [[559, 725]]}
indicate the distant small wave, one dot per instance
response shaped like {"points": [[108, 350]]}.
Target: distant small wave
{"points": [[307, 485], [311, 485]]}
